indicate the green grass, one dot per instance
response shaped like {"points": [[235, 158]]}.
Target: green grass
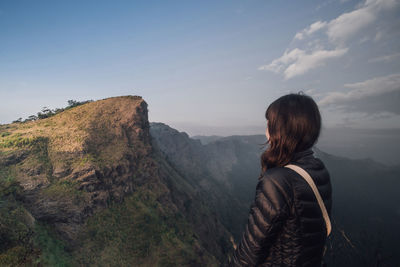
{"points": [[64, 189], [52, 248], [8, 184], [22, 241], [137, 232], [24, 244], [40, 149], [16, 141], [15, 234], [4, 134]]}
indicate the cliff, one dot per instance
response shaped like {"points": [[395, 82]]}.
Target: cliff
{"points": [[88, 186]]}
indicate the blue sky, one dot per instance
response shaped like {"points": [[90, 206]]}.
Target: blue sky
{"points": [[204, 67]]}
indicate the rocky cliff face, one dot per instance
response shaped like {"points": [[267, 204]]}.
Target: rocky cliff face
{"points": [[224, 170], [65, 170], [72, 164]]}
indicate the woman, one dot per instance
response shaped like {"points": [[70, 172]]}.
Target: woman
{"points": [[285, 226]]}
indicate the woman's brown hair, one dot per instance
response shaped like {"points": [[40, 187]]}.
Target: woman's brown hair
{"points": [[294, 124]]}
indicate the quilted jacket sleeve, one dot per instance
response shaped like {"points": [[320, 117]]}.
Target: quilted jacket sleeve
{"points": [[267, 213]]}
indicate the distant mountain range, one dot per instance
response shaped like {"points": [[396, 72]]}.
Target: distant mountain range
{"points": [[381, 145]]}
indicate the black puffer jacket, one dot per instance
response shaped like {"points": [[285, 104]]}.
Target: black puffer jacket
{"points": [[285, 226]]}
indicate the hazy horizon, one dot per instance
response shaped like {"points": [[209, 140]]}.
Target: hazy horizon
{"points": [[381, 145]]}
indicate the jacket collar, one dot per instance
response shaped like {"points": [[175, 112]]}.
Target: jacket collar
{"points": [[301, 154]]}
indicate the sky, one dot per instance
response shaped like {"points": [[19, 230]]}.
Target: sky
{"points": [[205, 67]]}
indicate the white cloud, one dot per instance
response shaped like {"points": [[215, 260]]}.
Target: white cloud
{"points": [[385, 58], [335, 33], [297, 61], [279, 64], [378, 84], [373, 87], [307, 62], [316, 26], [348, 24]]}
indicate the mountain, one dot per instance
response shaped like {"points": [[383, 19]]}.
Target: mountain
{"points": [[216, 168], [379, 144], [204, 139], [88, 187], [365, 213]]}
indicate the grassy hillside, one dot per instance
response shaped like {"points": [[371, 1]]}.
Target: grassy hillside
{"points": [[86, 187]]}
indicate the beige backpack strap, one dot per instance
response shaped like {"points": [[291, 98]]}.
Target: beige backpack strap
{"points": [[310, 181]]}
